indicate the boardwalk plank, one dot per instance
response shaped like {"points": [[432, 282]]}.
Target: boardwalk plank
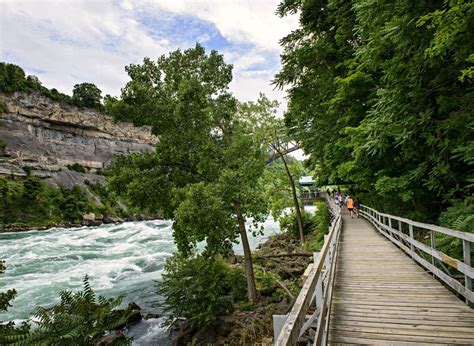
{"points": [[381, 296]]}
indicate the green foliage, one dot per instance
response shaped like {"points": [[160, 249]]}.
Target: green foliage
{"points": [[77, 167], [9, 329], [2, 107], [277, 188], [73, 203], [5, 297], [13, 78], [79, 319], [207, 164], [381, 94], [109, 202], [31, 203], [266, 280], [200, 289], [87, 95], [289, 224], [321, 221], [460, 216], [3, 145]]}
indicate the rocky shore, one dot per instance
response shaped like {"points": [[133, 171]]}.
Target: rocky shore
{"points": [[87, 221], [279, 280]]}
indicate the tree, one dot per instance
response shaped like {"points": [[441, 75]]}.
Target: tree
{"points": [[381, 94], [12, 78], [277, 187], [273, 132], [207, 165], [87, 95]]}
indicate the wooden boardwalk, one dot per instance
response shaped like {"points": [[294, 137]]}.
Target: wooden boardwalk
{"points": [[381, 296]]}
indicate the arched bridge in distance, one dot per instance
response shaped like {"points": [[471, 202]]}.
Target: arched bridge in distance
{"points": [[286, 149], [380, 279]]}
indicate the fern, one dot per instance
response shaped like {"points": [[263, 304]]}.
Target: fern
{"points": [[78, 319]]}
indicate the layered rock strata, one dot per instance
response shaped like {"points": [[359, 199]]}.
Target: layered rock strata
{"points": [[45, 137]]}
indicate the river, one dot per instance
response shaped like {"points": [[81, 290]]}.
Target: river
{"points": [[125, 259]]}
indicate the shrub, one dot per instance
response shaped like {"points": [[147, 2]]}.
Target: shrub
{"points": [[322, 217], [321, 222], [460, 216], [12, 78], [77, 167], [2, 107], [87, 95], [3, 145], [200, 289], [5, 297], [290, 225]]}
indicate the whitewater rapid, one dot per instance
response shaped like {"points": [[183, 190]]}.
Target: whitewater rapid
{"points": [[119, 259]]}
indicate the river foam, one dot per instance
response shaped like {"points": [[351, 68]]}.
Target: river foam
{"points": [[119, 259]]}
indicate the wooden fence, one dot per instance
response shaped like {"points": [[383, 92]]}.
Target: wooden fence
{"points": [[317, 290], [401, 232]]}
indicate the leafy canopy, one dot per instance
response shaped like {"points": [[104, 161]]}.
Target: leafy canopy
{"points": [[207, 159], [87, 95], [381, 94]]}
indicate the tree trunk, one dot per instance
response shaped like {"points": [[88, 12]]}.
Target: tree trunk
{"points": [[299, 220], [251, 288]]}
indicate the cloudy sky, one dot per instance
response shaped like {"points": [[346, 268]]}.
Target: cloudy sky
{"points": [[73, 41]]}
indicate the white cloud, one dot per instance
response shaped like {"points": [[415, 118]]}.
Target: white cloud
{"points": [[237, 20], [68, 42]]}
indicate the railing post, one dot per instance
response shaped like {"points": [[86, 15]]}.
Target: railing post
{"points": [[433, 246], [412, 247], [466, 246], [390, 227]]}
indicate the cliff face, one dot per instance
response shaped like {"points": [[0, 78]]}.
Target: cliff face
{"points": [[47, 136]]}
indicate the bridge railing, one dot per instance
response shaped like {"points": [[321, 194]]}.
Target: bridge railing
{"points": [[316, 294], [401, 232]]}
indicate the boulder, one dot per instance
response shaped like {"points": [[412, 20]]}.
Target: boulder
{"points": [[151, 316], [136, 316], [109, 218], [112, 338], [88, 217]]}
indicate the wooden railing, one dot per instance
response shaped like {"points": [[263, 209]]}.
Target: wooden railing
{"points": [[317, 290], [401, 232]]}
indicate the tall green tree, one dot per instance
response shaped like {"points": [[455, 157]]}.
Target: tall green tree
{"points": [[262, 115], [381, 94], [205, 171], [87, 95]]}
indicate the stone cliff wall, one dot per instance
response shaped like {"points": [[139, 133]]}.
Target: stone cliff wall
{"points": [[47, 136]]}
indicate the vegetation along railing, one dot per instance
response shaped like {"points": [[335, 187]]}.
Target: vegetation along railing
{"points": [[420, 241], [313, 305]]}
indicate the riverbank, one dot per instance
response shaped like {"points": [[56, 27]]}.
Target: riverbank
{"points": [[279, 265], [106, 220]]}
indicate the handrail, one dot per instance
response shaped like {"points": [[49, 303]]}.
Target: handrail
{"points": [[383, 223], [438, 229], [317, 289]]}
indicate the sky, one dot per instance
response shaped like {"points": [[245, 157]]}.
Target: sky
{"points": [[65, 42]]}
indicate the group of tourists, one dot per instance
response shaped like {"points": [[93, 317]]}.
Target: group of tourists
{"points": [[351, 203]]}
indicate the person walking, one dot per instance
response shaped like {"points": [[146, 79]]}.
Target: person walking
{"points": [[350, 205], [357, 207]]}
